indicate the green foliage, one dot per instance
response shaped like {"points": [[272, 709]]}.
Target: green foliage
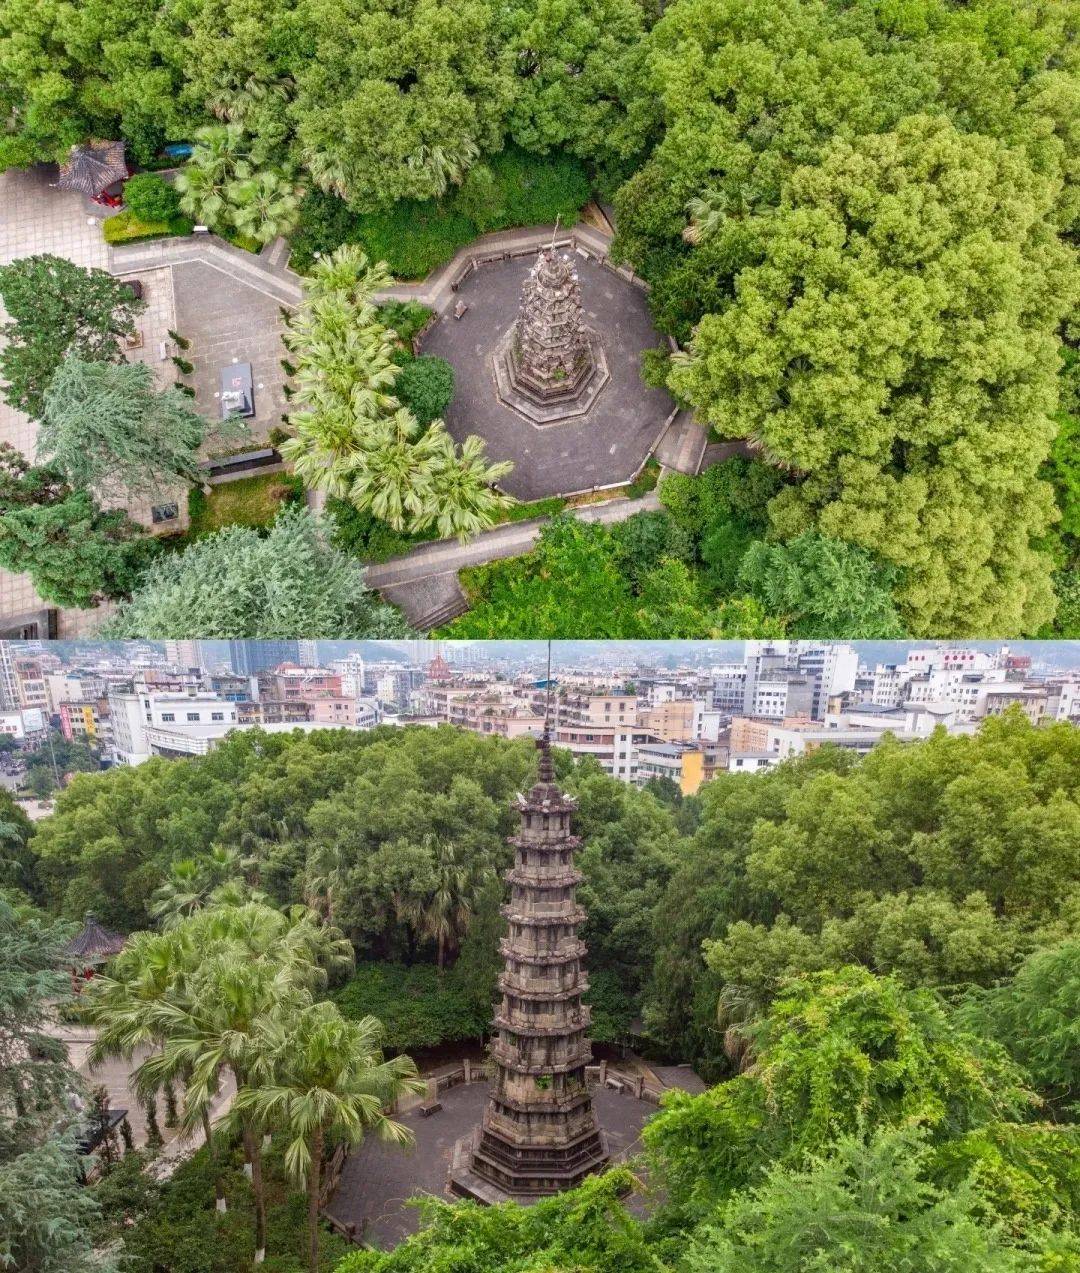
{"points": [[107, 428], [419, 1007], [951, 496], [415, 237], [1064, 472], [151, 198], [365, 537], [126, 227], [822, 587], [575, 583], [237, 583], [75, 553], [388, 122], [176, 1220], [865, 1208], [353, 438], [579, 68], [227, 186], [250, 501], [46, 1217], [425, 385], [963, 850], [1036, 1016], [737, 490], [839, 1054], [587, 1228], [56, 310], [407, 319]]}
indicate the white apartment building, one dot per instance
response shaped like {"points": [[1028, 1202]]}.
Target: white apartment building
{"points": [[147, 723]]}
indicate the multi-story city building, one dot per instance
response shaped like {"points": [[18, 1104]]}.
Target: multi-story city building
{"points": [[79, 722]]}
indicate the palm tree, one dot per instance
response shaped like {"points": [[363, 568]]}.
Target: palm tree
{"points": [[462, 485], [445, 917], [348, 269], [264, 206], [194, 992], [191, 883], [392, 475], [215, 1029], [321, 1077], [326, 171], [204, 179], [443, 166]]}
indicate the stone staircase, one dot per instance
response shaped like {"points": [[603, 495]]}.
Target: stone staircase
{"points": [[429, 602]]}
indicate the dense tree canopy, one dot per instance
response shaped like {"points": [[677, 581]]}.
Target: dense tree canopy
{"points": [[74, 552], [237, 583], [910, 373], [57, 309]]}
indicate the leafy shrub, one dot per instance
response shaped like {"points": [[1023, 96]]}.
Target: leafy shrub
{"points": [[125, 227], [418, 1007], [407, 318], [426, 385], [364, 536], [415, 237], [151, 198]]}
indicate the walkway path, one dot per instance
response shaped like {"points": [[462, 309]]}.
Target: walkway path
{"points": [[424, 581], [114, 1075]]}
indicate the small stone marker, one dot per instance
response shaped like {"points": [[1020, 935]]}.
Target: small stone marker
{"points": [[460, 309]]}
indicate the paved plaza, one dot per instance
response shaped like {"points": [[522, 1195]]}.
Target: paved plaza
{"points": [[604, 447], [230, 311], [379, 1179], [229, 321]]}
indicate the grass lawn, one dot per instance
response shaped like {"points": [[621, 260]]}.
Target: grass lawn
{"points": [[249, 501]]}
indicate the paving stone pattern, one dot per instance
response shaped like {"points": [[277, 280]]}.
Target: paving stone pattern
{"points": [[604, 447]]}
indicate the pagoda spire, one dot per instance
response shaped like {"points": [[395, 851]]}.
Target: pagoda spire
{"points": [[539, 1133]]}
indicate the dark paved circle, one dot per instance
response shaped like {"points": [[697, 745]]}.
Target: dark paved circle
{"points": [[606, 446], [379, 1179]]}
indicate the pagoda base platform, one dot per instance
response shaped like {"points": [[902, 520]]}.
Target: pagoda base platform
{"points": [[379, 1178], [466, 1182], [543, 406]]}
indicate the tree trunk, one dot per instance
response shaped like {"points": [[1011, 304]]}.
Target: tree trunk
{"points": [[211, 1148], [314, 1184], [254, 1156], [442, 951]]}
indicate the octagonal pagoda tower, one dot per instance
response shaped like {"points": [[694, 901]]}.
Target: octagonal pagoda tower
{"points": [[549, 366], [539, 1133]]}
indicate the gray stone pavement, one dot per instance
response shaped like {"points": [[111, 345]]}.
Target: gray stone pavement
{"points": [[683, 445], [229, 321], [379, 1179], [606, 446]]}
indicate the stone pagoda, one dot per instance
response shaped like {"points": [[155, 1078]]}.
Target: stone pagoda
{"points": [[549, 366], [539, 1133]]}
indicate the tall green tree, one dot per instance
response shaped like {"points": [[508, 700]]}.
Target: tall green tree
{"points": [[57, 309], [75, 553], [824, 587], [108, 428], [323, 1079], [397, 100], [46, 1216], [897, 344]]}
